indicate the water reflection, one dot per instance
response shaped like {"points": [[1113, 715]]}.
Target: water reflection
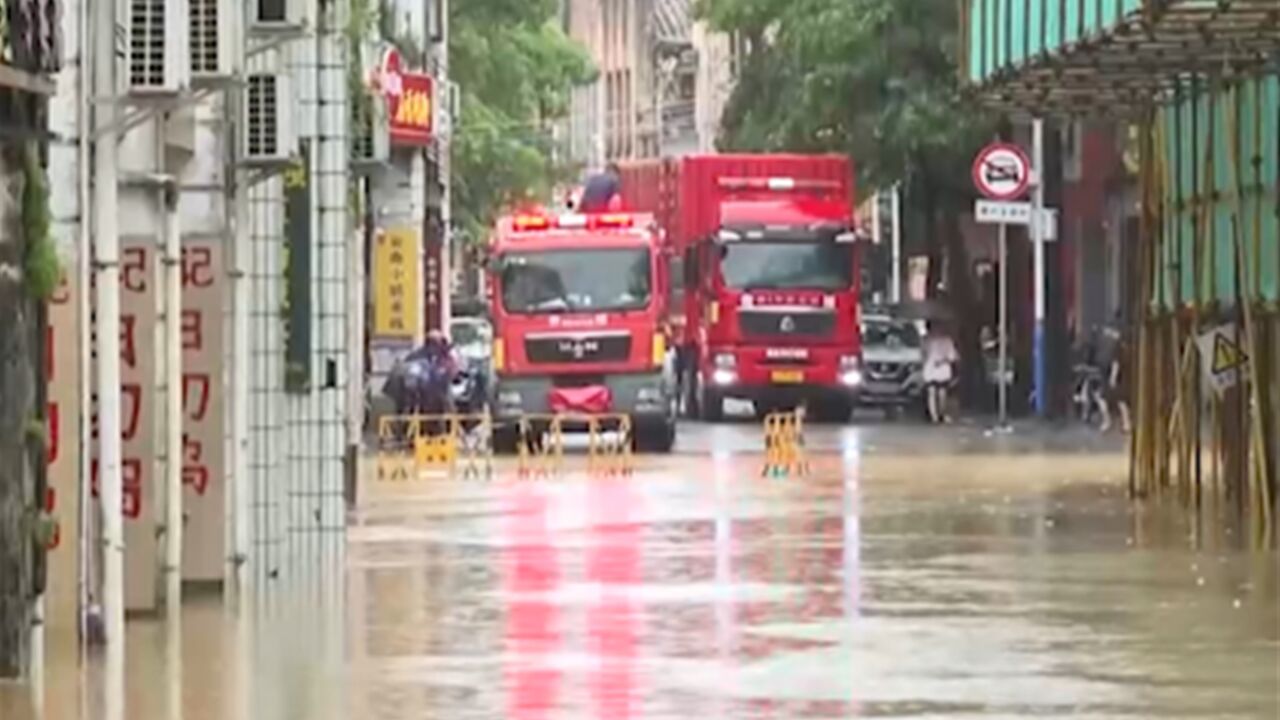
{"points": [[533, 636], [702, 590]]}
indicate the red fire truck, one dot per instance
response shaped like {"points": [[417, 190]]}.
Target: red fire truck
{"points": [[764, 305], [578, 304]]}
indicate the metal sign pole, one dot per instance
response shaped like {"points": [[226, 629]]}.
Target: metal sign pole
{"points": [[1001, 383], [1037, 243]]}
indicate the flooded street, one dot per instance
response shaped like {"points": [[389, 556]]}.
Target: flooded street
{"points": [[921, 573]]}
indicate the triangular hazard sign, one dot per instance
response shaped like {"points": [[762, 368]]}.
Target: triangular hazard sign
{"points": [[1227, 355]]}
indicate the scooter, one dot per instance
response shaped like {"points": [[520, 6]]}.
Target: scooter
{"points": [[422, 386]]}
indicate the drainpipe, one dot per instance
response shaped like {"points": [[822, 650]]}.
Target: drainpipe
{"points": [[107, 275]]}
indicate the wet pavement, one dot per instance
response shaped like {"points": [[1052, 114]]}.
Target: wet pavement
{"points": [[918, 572]]}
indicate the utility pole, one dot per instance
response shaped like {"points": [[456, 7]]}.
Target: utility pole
{"points": [[238, 490], [444, 145], [107, 275], [1037, 244], [173, 500], [895, 288]]}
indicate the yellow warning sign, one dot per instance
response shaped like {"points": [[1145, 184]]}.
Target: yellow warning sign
{"points": [[1227, 355], [1222, 356]]}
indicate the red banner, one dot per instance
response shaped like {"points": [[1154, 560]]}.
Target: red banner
{"points": [[410, 101]]}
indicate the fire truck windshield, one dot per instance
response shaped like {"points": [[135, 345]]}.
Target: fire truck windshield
{"points": [[787, 265], [579, 280]]}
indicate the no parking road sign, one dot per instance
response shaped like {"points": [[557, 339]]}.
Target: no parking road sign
{"points": [[1002, 171]]}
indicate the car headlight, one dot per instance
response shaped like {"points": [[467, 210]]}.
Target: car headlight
{"points": [[726, 361]]}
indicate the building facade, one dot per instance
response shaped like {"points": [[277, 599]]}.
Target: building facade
{"points": [[664, 79]]}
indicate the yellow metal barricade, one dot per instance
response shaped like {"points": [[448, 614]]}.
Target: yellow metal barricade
{"points": [[609, 441], [541, 443], [410, 446], [784, 452]]}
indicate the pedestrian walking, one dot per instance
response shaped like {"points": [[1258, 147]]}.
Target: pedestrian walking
{"points": [[1118, 382], [940, 358]]}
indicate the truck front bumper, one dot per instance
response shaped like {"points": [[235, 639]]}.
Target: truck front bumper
{"points": [[648, 396], [822, 373]]}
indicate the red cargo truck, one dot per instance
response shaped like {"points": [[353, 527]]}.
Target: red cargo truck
{"points": [[764, 267], [578, 303]]}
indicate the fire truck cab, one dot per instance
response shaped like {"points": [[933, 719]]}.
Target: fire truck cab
{"points": [[578, 306]]}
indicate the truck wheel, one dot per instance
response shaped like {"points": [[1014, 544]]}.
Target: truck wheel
{"points": [[506, 440], [658, 437]]}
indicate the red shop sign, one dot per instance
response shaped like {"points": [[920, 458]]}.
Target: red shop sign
{"points": [[410, 101]]}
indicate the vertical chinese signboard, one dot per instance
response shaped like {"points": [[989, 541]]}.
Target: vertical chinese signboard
{"points": [[137, 419], [396, 286], [297, 232], [435, 284], [62, 353], [201, 331]]}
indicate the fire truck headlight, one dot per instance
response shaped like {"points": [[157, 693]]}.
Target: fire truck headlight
{"points": [[726, 361], [724, 377]]}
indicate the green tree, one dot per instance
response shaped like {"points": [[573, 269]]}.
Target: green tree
{"points": [[515, 68], [880, 81]]}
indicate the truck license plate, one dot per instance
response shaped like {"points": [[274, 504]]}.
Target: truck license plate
{"points": [[788, 377]]}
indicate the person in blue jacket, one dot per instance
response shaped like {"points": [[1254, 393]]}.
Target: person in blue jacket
{"points": [[600, 190]]}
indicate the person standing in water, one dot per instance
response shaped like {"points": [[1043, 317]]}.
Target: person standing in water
{"points": [[1117, 378], [940, 357]]}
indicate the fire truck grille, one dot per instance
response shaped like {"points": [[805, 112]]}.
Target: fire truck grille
{"points": [[781, 324], [570, 349]]}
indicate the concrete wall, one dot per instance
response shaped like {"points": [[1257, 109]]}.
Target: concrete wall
{"points": [[297, 439]]}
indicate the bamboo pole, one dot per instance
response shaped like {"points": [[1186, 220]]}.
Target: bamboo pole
{"points": [[1258, 478], [1138, 466]]}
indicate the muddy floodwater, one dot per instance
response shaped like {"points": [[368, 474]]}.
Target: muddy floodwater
{"points": [[921, 574]]}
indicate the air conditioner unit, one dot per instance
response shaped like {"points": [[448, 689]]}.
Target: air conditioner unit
{"points": [[215, 40], [157, 52], [269, 138], [267, 16], [371, 136]]}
